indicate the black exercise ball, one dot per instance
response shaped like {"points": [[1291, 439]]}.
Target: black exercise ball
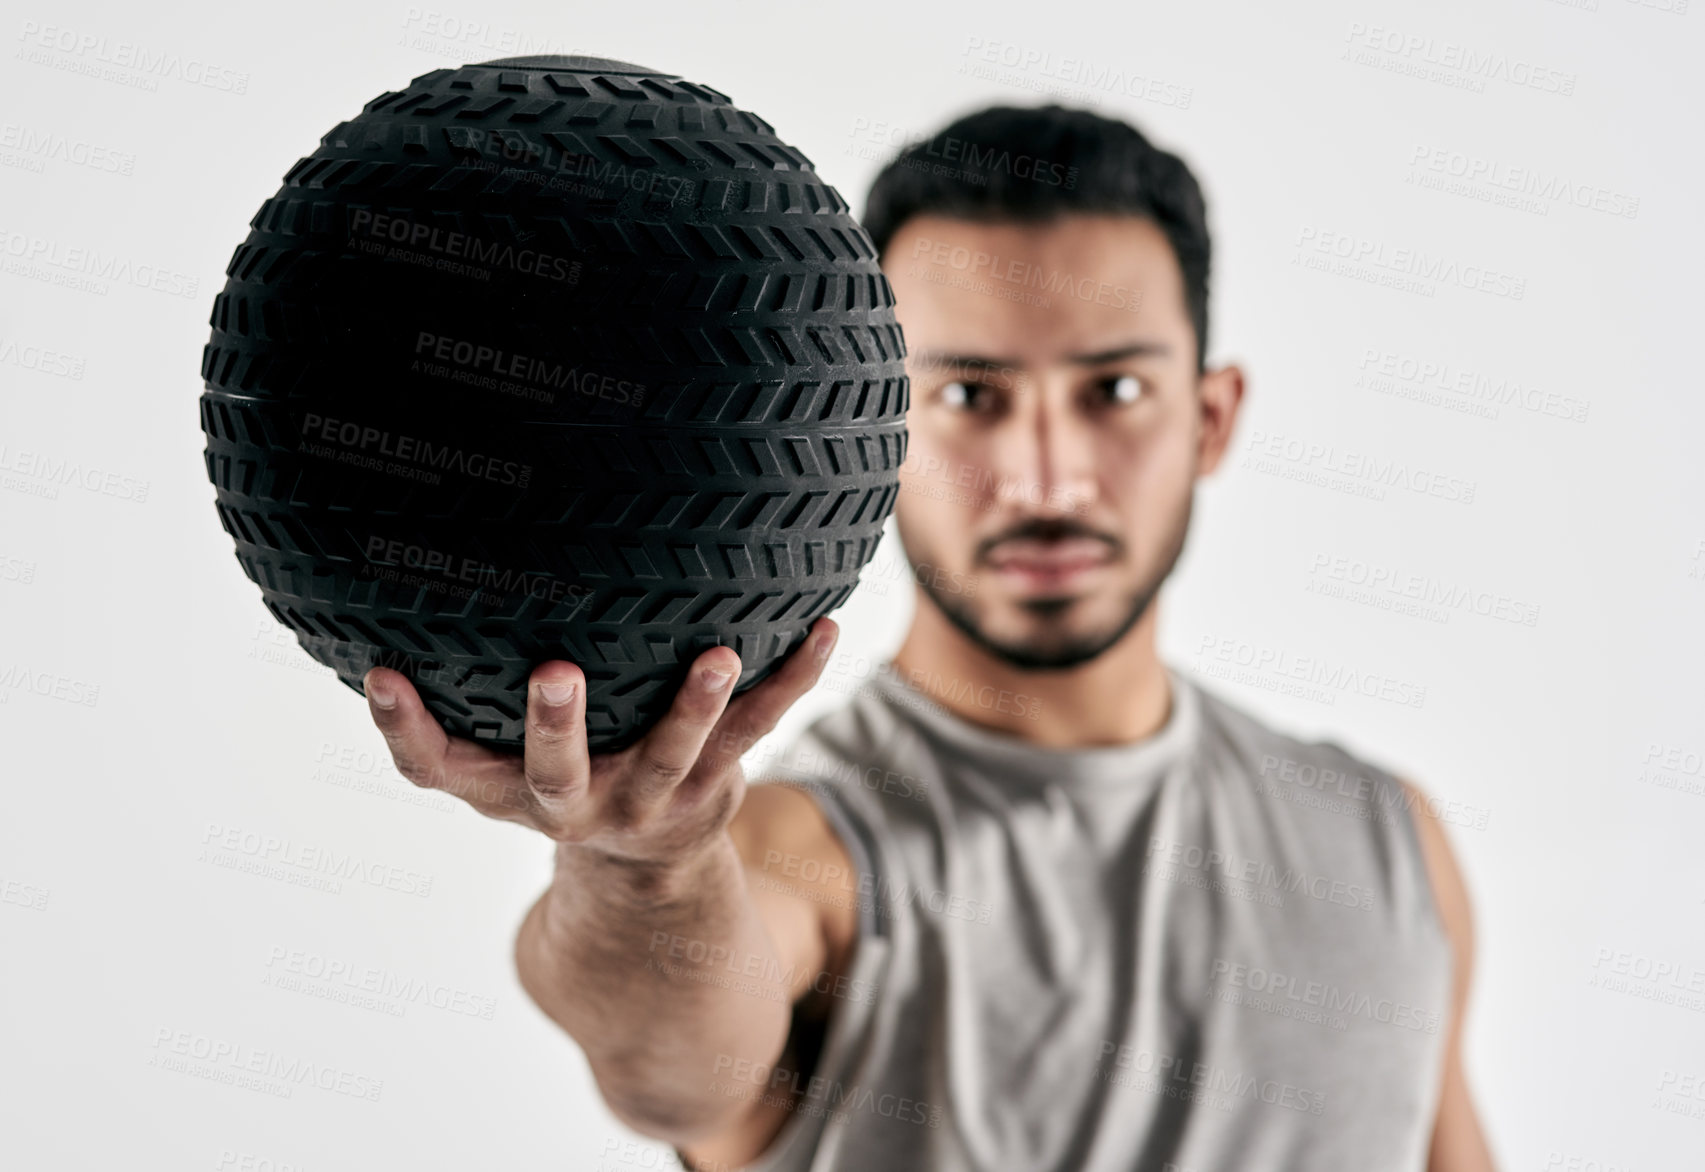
{"points": [[553, 358]]}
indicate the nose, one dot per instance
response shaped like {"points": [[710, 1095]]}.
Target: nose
{"points": [[1048, 455]]}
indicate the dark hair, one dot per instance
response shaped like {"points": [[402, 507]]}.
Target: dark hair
{"points": [[1038, 163]]}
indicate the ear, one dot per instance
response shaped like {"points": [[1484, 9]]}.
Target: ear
{"points": [[1219, 394]]}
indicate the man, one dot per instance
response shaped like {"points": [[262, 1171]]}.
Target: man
{"points": [[1032, 899]]}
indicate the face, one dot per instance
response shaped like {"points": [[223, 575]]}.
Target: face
{"points": [[1057, 426]]}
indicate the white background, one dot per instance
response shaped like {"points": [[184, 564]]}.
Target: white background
{"points": [[114, 933]]}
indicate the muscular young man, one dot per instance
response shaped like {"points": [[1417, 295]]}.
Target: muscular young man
{"points": [[1032, 900]]}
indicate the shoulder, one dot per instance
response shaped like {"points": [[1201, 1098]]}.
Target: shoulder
{"points": [[777, 813], [1314, 772], [799, 865], [1457, 1138], [1450, 891], [856, 760], [1350, 809]]}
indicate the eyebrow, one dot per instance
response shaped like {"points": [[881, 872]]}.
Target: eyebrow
{"points": [[1099, 358]]}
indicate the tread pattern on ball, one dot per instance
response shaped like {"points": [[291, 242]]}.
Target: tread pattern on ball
{"points": [[635, 229]]}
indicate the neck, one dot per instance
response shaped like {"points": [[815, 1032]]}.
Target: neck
{"points": [[1120, 696]]}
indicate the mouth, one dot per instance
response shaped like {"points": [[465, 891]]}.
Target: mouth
{"points": [[1049, 565]]}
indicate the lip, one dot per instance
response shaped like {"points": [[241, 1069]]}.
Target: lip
{"points": [[1049, 565]]}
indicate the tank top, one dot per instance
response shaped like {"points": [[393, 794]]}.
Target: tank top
{"points": [[1212, 948]]}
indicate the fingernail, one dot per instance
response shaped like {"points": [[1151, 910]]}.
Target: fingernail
{"points": [[826, 644], [382, 695], [557, 694], [714, 679]]}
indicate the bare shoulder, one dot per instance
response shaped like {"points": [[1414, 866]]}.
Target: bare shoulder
{"points": [[774, 808], [797, 864], [1450, 892]]}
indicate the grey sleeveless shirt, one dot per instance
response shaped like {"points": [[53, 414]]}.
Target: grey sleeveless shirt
{"points": [[1213, 948]]}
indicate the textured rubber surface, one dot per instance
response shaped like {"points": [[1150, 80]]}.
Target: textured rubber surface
{"points": [[553, 358]]}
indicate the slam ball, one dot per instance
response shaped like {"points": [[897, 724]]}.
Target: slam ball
{"points": [[553, 358]]}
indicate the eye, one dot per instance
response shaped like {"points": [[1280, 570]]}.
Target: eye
{"points": [[962, 394], [1123, 388]]}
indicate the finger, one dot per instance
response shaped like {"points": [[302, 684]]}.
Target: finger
{"points": [[666, 754], [754, 715], [417, 741], [428, 756], [492, 783], [556, 763]]}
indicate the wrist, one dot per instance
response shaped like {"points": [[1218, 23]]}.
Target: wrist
{"points": [[627, 886]]}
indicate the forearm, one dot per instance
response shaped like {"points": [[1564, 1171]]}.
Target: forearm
{"points": [[663, 976]]}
